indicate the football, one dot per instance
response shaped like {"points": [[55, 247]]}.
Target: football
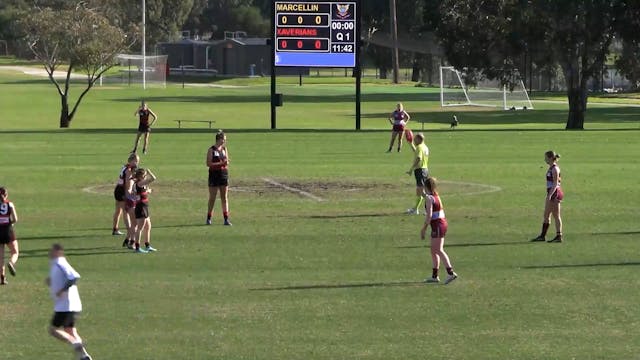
{"points": [[408, 134]]}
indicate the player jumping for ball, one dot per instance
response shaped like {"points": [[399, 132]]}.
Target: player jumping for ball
{"points": [[419, 169], [144, 126], [120, 195], [434, 216], [8, 217], [399, 119], [553, 199]]}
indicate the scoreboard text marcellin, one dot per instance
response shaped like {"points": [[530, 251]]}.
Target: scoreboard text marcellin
{"points": [[315, 34]]}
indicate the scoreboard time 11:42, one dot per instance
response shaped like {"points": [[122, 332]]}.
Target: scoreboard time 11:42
{"points": [[315, 34]]}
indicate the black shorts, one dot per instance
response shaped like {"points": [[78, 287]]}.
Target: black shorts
{"points": [[218, 178], [142, 210], [421, 177], [144, 128], [64, 319], [6, 234], [119, 193]]}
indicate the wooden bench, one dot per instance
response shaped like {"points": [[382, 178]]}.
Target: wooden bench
{"points": [[194, 121]]}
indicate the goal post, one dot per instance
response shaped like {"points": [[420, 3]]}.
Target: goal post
{"points": [[133, 69], [454, 91]]}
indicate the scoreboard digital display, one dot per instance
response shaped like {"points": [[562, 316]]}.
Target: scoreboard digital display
{"points": [[315, 34]]}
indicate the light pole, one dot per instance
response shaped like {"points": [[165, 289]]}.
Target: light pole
{"points": [[394, 36], [144, 44]]}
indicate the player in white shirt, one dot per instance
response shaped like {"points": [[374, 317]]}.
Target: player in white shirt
{"points": [[64, 292]]}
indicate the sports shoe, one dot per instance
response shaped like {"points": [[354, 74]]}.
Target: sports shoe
{"points": [[388, 151], [450, 278], [3, 282], [141, 251], [125, 243], [413, 211], [117, 232], [144, 151], [539, 238], [86, 357], [557, 239], [150, 248], [12, 268], [208, 222], [432, 280], [227, 223]]}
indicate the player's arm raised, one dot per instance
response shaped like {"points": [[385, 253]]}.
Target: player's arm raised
{"points": [[151, 177]]}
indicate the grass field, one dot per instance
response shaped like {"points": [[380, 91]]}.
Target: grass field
{"points": [[337, 275]]}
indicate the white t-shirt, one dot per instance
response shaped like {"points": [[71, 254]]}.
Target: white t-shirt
{"points": [[61, 272]]}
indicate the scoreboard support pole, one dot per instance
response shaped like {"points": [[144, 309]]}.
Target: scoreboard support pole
{"points": [[273, 70], [358, 68]]}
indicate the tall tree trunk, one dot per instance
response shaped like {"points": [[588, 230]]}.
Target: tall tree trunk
{"points": [[65, 118], [577, 96], [415, 72]]}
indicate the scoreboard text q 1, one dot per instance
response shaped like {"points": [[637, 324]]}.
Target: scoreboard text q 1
{"points": [[315, 34]]}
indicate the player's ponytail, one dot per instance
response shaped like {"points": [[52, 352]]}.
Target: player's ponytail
{"points": [[3, 192], [552, 155], [431, 184]]}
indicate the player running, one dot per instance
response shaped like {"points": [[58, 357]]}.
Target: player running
{"points": [[553, 199], [120, 194], [64, 292], [419, 169], [143, 178], [434, 216], [144, 127], [8, 217], [399, 119], [218, 164]]}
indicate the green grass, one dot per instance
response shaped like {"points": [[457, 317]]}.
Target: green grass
{"points": [[300, 279]]}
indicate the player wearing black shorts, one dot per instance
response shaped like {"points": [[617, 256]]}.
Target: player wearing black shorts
{"points": [[120, 194], [8, 217], [143, 178], [144, 127], [419, 169], [62, 282], [218, 164]]}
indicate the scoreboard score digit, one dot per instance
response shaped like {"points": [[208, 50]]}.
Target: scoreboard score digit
{"points": [[315, 33]]}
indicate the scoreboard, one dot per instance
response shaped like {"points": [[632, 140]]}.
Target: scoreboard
{"points": [[316, 33]]}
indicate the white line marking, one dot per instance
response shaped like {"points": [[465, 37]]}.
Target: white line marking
{"points": [[488, 188], [292, 189], [93, 189]]}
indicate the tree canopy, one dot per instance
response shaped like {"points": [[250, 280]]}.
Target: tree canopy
{"points": [[87, 42]]}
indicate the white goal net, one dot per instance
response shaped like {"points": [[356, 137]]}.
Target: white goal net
{"points": [[455, 92], [130, 68]]}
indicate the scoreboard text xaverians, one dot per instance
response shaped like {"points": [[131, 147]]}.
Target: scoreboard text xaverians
{"points": [[315, 34]]}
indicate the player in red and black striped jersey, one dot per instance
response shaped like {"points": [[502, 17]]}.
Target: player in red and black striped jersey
{"points": [[436, 219], [553, 199], [120, 193], [144, 127], [8, 217], [218, 164], [140, 188]]}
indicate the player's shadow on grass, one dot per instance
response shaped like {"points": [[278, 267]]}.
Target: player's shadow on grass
{"points": [[570, 266], [508, 243], [72, 252], [619, 233], [349, 216], [343, 286]]}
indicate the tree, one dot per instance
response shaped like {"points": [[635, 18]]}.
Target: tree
{"points": [[219, 16], [490, 36], [87, 42]]}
